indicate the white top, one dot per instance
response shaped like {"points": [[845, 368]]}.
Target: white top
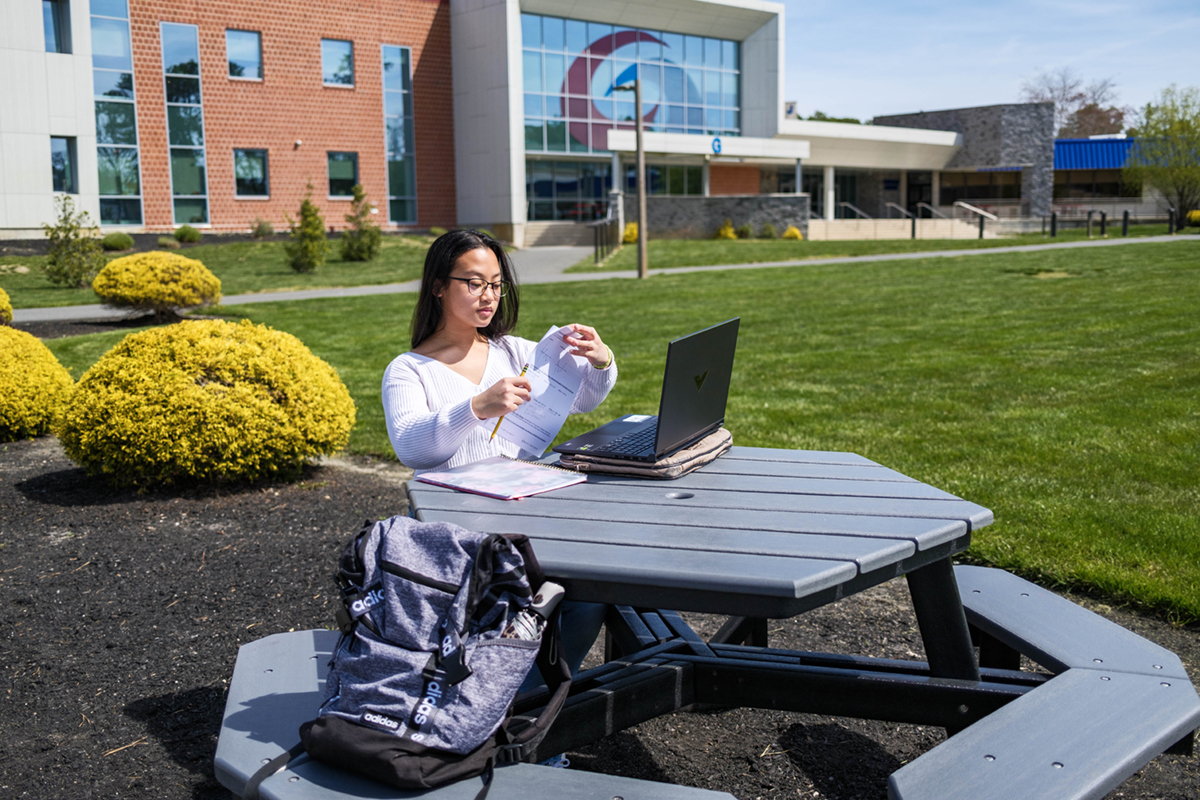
{"points": [[427, 406]]}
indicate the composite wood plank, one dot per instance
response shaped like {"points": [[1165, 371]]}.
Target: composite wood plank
{"points": [[736, 466], [774, 484]]}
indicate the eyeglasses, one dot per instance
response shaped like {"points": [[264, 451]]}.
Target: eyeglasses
{"points": [[476, 286]]}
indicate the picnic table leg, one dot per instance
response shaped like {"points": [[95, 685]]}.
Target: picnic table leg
{"points": [[751, 631], [942, 621]]}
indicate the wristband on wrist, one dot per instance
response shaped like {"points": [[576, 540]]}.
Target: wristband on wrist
{"points": [[608, 363]]}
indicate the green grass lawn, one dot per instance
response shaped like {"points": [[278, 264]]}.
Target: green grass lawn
{"points": [[1056, 388], [243, 267], [665, 253]]}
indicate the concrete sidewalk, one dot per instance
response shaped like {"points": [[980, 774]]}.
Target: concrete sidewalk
{"points": [[549, 265]]}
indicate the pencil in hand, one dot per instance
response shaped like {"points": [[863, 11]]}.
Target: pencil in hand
{"points": [[524, 369]]}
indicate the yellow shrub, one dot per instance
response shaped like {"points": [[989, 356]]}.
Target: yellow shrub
{"points": [[32, 384], [205, 400], [631, 233], [792, 232], [5, 308], [726, 231], [1194, 217], [157, 281]]}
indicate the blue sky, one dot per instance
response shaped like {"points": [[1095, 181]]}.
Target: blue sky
{"points": [[875, 57]]}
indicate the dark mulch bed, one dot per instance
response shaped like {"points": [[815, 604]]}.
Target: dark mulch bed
{"points": [[121, 615]]}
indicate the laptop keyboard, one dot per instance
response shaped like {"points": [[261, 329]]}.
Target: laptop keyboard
{"points": [[631, 443]]}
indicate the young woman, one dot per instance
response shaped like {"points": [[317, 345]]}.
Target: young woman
{"points": [[463, 367], [441, 399]]}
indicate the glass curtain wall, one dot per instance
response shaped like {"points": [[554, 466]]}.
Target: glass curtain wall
{"points": [[567, 190], [690, 84], [398, 130], [185, 123], [116, 118]]}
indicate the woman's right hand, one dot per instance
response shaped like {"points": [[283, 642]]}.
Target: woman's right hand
{"points": [[501, 397]]}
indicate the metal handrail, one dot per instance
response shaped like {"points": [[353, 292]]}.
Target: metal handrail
{"points": [[974, 210], [933, 211], [901, 209], [861, 214]]}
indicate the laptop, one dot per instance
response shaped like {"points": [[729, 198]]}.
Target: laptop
{"points": [[695, 388]]}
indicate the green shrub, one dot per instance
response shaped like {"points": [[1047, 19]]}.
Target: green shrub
{"points": [[5, 308], [261, 229], [726, 231], [117, 241], [187, 234], [486, 232], [168, 243], [32, 385], [74, 255], [158, 282], [308, 245], [204, 400], [768, 232], [362, 238], [792, 232], [436, 231], [744, 231]]}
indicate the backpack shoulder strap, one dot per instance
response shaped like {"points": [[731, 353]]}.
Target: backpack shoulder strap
{"points": [[250, 791]]}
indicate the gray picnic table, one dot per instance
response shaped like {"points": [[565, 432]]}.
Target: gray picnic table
{"points": [[768, 534]]}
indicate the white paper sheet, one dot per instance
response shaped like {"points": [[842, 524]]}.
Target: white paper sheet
{"points": [[555, 376]]}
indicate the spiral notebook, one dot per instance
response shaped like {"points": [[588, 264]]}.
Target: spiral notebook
{"points": [[504, 478]]}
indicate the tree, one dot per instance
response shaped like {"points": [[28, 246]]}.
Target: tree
{"points": [[361, 239], [1079, 110], [308, 245], [75, 255], [1166, 154]]}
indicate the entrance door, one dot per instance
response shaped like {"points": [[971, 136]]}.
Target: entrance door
{"points": [[920, 190]]}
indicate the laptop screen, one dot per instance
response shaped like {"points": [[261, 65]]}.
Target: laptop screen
{"points": [[696, 384]]}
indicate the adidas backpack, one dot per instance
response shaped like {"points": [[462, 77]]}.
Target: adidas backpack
{"points": [[440, 627]]}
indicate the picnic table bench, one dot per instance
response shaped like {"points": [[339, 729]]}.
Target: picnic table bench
{"points": [[765, 534]]}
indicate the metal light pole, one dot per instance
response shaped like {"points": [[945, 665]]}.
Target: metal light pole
{"points": [[643, 257]]}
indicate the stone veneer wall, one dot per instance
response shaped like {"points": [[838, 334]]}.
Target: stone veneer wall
{"points": [[693, 217], [1020, 134]]}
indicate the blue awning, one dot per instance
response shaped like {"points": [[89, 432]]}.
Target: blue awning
{"points": [[1091, 153]]}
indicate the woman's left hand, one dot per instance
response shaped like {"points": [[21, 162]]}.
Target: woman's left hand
{"points": [[586, 342]]}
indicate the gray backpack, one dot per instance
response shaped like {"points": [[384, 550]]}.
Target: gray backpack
{"points": [[439, 631]]}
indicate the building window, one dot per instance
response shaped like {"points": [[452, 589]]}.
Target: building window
{"points": [[1079, 184], [567, 190], [185, 123], [343, 174], [969, 186], [398, 130], [667, 179], [118, 166], [337, 62], [243, 51], [62, 164], [250, 173], [56, 19], [690, 84]]}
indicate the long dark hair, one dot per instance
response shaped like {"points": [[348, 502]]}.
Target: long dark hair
{"points": [[439, 263]]}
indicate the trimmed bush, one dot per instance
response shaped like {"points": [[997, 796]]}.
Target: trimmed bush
{"points": [[5, 308], [74, 256], [487, 232], [436, 231], [158, 282], [308, 245], [32, 385], [744, 231], [117, 241], [726, 231], [168, 243], [362, 237], [792, 232], [261, 229], [207, 401], [768, 232], [630, 236], [187, 234]]}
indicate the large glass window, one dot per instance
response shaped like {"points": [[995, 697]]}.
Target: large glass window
{"points": [[571, 71], [970, 186], [667, 179], [243, 51], [62, 164], [185, 123], [343, 174], [250, 173], [398, 131], [56, 21], [567, 190], [116, 114], [337, 62]]}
